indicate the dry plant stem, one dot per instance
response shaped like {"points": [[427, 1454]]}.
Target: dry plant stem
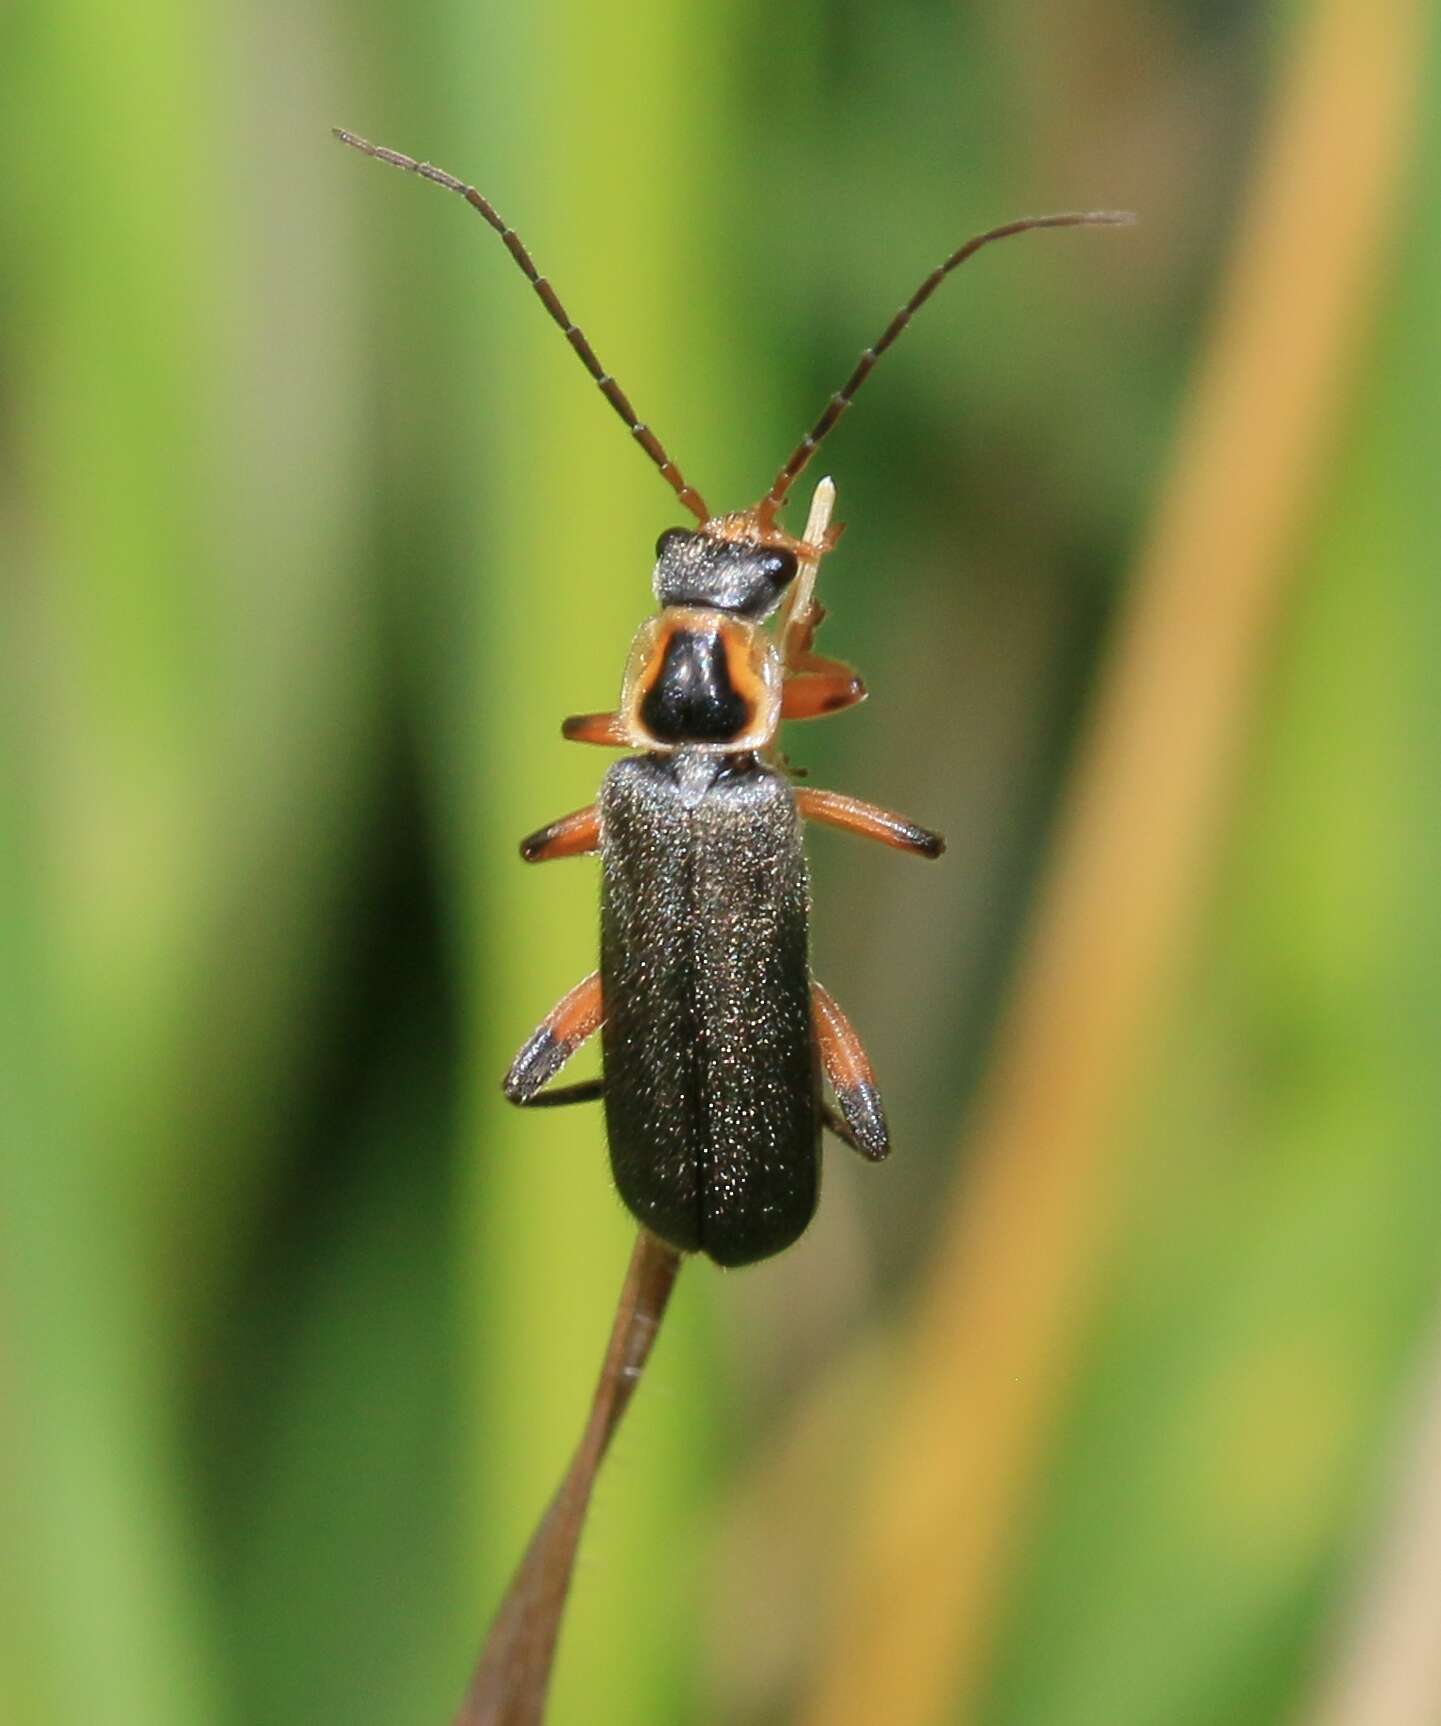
{"points": [[996, 1331], [510, 1681], [794, 614], [1386, 1655]]}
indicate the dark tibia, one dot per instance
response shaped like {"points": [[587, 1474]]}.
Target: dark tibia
{"points": [[849, 1070], [853, 816], [575, 1017], [571, 836]]}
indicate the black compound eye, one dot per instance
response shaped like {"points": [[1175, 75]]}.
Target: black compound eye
{"points": [[779, 567], [671, 537]]}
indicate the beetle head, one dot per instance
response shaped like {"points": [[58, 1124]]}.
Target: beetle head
{"points": [[743, 576]]}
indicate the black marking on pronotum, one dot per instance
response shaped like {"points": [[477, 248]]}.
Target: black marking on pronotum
{"points": [[714, 1032], [692, 698]]}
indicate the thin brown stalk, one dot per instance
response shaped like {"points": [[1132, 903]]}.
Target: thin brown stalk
{"points": [[998, 1324], [509, 1685]]}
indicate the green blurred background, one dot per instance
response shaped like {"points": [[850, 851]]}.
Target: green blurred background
{"points": [[311, 531]]}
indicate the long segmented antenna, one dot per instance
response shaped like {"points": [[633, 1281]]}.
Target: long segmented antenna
{"points": [[609, 388], [841, 400]]}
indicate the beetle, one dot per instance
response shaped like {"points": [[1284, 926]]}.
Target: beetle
{"points": [[714, 1032]]}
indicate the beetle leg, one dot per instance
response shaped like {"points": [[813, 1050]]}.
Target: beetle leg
{"points": [[571, 836], [607, 729], [849, 1071], [834, 1122], [586, 1091], [574, 1017], [820, 686], [869, 821]]}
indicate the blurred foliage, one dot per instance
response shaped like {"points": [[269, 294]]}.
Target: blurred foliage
{"points": [[312, 531]]}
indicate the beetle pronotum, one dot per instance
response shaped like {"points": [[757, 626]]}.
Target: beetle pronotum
{"points": [[714, 1032]]}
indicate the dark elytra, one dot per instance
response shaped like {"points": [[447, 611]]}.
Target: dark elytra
{"points": [[712, 1086]]}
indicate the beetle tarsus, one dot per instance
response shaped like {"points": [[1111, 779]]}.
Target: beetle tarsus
{"points": [[561, 1096]]}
